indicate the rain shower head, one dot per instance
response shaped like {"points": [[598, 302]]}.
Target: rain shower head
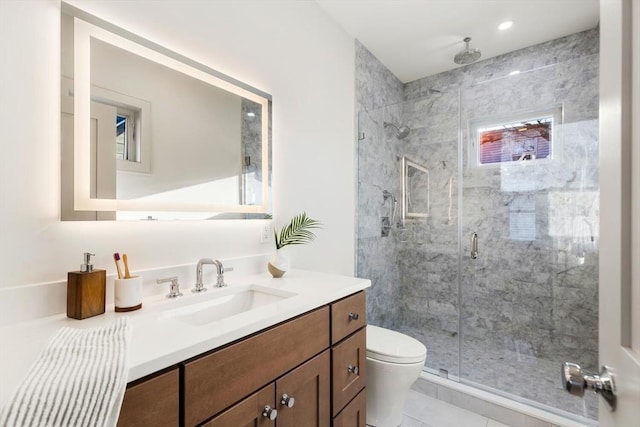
{"points": [[467, 55], [401, 132]]}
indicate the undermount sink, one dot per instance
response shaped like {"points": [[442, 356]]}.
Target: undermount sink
{"points": [[223, 303]]}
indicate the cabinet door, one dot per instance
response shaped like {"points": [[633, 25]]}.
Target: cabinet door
{"points": [[354, 414], [248, 413], [309, 386], [153, 402]]}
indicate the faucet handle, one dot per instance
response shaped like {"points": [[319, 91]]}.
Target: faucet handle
{"points": [[174, 287]]}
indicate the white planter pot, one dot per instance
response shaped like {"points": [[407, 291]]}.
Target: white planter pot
{"points": [[280, 262]]}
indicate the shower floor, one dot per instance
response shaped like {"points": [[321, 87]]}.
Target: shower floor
{"points": [[510, 373]]}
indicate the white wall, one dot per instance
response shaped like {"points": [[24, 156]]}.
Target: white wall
{"points": [[290, 49]]}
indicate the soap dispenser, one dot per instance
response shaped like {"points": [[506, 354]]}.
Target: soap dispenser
{"points": [[86, 290]]}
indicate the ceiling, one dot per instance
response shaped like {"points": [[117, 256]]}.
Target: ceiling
{"points": [[419, 38]]}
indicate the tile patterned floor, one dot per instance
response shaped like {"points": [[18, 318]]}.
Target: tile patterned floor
{"points": [[424, 411]]}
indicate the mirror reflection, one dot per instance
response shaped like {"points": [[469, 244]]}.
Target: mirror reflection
{"points": [[158, 135], [415, 190]]}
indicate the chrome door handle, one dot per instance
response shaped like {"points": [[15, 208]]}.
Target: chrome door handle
{"points": [[576, 381], [474, 245]]}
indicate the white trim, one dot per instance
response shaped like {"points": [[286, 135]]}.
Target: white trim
{"points": [[142, 123]]}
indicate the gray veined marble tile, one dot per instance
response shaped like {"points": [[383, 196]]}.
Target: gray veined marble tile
{"points": [[526, 302]]}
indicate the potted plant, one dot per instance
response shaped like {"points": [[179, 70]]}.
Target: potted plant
{"points": [[297, 232]]}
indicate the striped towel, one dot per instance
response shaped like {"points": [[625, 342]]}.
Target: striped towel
{"points": [[78, 380]]}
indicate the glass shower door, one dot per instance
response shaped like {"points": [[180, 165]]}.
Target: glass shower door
{"points": [[412, 263], [529, 174]]}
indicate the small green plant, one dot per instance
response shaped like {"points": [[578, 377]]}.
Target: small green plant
{"points": [[297, 232]]}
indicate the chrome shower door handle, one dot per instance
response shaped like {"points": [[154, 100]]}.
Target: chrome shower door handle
{"points": [[474, 245], [575, 381]]}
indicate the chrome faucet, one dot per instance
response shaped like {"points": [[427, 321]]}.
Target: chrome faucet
{"points": [[219, 269]]}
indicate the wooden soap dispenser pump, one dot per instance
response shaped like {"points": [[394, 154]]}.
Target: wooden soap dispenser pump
{"points": [[86, 290]]}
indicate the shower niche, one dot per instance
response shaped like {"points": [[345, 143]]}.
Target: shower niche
{"points": [[415, 190]]}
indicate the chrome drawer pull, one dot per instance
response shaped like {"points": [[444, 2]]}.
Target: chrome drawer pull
{"points": [[354, 316], [269, 412], [287, 400], [353, 370]]}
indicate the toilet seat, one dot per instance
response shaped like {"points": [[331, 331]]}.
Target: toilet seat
{"points": [[391, 346]]}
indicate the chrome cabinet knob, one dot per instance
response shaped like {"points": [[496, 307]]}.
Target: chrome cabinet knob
{"points": [[287, 400], [269, 412], [354, 316], [353, 370], [576, 381]]}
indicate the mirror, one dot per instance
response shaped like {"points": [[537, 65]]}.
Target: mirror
{"points": [[150, 134], [415, 190]]}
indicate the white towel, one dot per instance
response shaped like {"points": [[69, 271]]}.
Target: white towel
{"points": [[78, 380]]}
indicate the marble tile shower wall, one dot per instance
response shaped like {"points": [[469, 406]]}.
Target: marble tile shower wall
{"points": [[525, 303], [379, 94]]}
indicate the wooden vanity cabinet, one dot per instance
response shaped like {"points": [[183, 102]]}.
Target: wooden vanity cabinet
{"points": [[310, 370], [153, 401]]}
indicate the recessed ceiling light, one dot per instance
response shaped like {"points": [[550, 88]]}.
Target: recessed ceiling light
{"points": [[505, 25]]}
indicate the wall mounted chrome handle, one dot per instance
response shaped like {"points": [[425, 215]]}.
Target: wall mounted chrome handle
{"points": [[269, 412], [474, 245], [353, 369], [576, 381], [287, 400], [354, 316]]}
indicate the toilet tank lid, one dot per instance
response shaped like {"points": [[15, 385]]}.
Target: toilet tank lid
{"points": [[391, 346]]}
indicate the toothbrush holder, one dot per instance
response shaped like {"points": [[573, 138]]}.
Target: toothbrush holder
{"points": [[128, 294]]}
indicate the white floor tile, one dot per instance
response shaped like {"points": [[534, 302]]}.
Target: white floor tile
{"points": [[408, 421], [437, 413]]}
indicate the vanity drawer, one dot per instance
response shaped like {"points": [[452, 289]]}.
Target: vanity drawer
{"points": [[217, 380], [349, 369], [347, 316], [152, 402], [354, 414]]}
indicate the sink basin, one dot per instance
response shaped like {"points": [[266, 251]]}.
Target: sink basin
{"points": [[223, 303]]}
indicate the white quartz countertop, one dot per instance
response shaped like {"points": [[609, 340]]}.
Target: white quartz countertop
{"points": [[160, 341]]}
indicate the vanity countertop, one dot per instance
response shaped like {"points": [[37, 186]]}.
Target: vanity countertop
{"points": [[159, 341]]}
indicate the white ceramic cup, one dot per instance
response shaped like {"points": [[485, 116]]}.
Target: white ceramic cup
{"points": [[128, 293]]}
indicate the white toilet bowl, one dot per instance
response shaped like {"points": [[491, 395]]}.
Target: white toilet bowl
{"points": [[394, 362]]}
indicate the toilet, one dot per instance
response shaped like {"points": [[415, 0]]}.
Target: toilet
{"points": [[394, 363]]}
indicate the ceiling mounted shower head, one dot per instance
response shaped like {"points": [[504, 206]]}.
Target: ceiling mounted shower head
{"points": [[401, 132], [467, 55]]}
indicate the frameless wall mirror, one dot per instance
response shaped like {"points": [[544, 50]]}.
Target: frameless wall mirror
{"points": [[415, 190], [150, 134]]}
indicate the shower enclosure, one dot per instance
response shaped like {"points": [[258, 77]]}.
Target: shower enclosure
{"points": [[512, 164]]}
